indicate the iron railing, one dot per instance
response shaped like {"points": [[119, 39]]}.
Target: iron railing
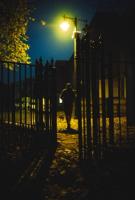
{"points": [[27, 105], [104, 96]]}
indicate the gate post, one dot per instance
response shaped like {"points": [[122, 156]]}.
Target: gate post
{"points": [[39, 104], [78, 100], [50, 102]]}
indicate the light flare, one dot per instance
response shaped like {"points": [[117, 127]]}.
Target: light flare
{"points": [[64, 26]]}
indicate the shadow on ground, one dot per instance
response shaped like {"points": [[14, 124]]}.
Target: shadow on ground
{"points": [[22, 179]]}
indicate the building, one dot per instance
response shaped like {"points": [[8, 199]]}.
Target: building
{"points": [[111, 40], [64, 69]]}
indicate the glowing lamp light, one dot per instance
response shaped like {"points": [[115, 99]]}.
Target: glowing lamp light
{"points": [[60, 100], [64, 26]]}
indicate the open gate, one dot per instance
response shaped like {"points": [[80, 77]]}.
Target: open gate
{"points": [[27, 106]]}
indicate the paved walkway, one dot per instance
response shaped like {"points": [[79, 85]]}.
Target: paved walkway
{"points": [[65, 181]]}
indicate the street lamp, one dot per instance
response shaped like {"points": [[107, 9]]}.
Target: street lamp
{"points": [[64, 26]]}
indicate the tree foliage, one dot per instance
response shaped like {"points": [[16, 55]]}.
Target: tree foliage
{"points": [[14, 18]]}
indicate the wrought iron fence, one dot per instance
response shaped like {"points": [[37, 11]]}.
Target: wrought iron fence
{"points": [[104, 95], [27, 105]]}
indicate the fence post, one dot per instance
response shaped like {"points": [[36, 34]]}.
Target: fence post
{"points": [[88, 95], [111, 101], [78, 101], [46, 97], [103, 94], [54, 103], [13, 96], [39, 104], [130, 95]]}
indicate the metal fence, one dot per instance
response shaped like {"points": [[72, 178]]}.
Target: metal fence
{"points": [[103, 85], [27, 105]]}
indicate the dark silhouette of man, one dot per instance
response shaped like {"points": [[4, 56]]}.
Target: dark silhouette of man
{"points": [[68, 96]]}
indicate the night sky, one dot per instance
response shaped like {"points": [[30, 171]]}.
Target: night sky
{"points": [[49, 41]]}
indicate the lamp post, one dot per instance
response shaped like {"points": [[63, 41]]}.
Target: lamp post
{"points": [[76, 34]]}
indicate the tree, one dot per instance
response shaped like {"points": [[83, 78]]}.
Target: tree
{"points": [[14, 18]]}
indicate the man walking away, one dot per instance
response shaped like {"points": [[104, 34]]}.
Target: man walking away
{"points": [[68, 97]]}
